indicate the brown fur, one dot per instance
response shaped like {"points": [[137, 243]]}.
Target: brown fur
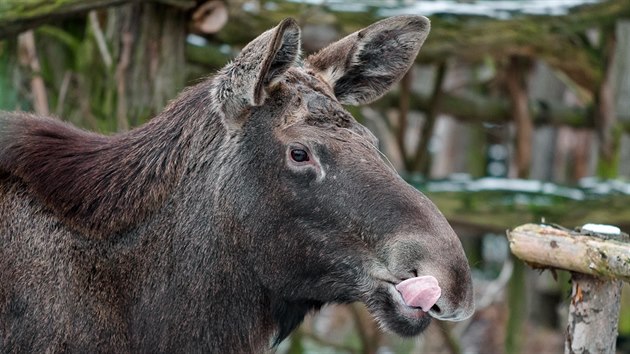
{"points": [[199, 232], [79, 174]]}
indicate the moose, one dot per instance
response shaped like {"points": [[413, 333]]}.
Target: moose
{"points": [[253, 199]]}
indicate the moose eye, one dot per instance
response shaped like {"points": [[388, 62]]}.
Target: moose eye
{"points": [[299, 155]]}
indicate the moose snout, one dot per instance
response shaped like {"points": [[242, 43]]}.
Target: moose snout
{"points": [[434, 276]]}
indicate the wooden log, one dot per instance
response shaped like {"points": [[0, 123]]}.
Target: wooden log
{"points": [[17, 16], [473, 108], [545, 246]]}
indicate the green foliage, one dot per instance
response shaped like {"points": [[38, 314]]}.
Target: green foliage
{"points": [[499, 210], [8, 96], [624, 314], [607, 168], [71, 54]]}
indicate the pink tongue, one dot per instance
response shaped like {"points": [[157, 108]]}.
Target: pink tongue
{"points": [[420, 292]]}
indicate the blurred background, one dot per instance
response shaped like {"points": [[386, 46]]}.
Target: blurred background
{"points": [[516, 111]]}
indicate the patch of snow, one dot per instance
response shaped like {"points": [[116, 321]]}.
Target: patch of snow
{"points": [[196, 40], [602, 229], [502, 9]]}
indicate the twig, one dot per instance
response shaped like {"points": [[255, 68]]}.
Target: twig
{"points": [[493, 290], [63, 91], [100, 39], [492, 293], [403, 105], [421, 157], [28, 57], [121, 109]]}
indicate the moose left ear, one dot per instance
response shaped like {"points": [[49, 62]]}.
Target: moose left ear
{"points": [[241, 84], [364, 65]]}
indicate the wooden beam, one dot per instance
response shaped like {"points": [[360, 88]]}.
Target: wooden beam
{"points": [[18, 16], [474, 108], [545, 246]]}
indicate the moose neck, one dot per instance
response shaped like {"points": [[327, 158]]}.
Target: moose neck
{"points": [[198, 286], [195, 279]]}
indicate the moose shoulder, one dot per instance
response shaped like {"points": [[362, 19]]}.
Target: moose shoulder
{"points": [[252, 199]]}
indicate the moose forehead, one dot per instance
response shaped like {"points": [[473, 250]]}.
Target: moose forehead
{"points": [[313, 104]]}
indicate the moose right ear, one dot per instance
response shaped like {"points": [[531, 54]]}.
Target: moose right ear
{"points": [[364, 65], [242, 83]]}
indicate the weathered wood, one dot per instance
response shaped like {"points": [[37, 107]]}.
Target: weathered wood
{"points": [[599, 264], [593, 315], [500, 210], [546, 246], [150, 40], [471, 38], [474, 108], [17, 16]]}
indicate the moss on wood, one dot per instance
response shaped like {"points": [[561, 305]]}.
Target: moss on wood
{"points": [[17, 16], [557, 248]]}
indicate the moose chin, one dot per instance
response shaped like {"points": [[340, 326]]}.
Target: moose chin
{"points": [[251, 200]]}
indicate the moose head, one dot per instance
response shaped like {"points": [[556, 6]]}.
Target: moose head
{"points": [[326, 218]]}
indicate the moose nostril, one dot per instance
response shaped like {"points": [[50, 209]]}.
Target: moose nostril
{"points": [[411, 273], [436, 309]]}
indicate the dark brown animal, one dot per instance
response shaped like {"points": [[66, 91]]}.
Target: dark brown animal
{"points": [[253, 199]]}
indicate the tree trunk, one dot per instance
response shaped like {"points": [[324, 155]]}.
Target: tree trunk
{"points": [[422, 157], [403, 112], [149, 44], [516, 82], [605, 115]]}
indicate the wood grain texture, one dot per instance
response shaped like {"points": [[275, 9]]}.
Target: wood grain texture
{"points": [[546, 246]]}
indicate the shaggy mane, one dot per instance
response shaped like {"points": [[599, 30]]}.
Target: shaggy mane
{"points": [[99, 184]]}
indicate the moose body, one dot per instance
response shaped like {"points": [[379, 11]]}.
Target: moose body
{"points": [[252, 199]]}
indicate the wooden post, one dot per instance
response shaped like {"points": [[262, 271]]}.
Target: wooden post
{"points": [[593, 315], [598, 265]]}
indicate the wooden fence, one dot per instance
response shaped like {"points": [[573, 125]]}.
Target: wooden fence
{"points": [[598, 262]]}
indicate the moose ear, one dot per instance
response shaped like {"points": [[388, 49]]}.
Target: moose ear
{"points": [[242, 83], [364, 65]]}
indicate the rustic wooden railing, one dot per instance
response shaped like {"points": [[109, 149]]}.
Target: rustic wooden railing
{"points": [[598, 262]]}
